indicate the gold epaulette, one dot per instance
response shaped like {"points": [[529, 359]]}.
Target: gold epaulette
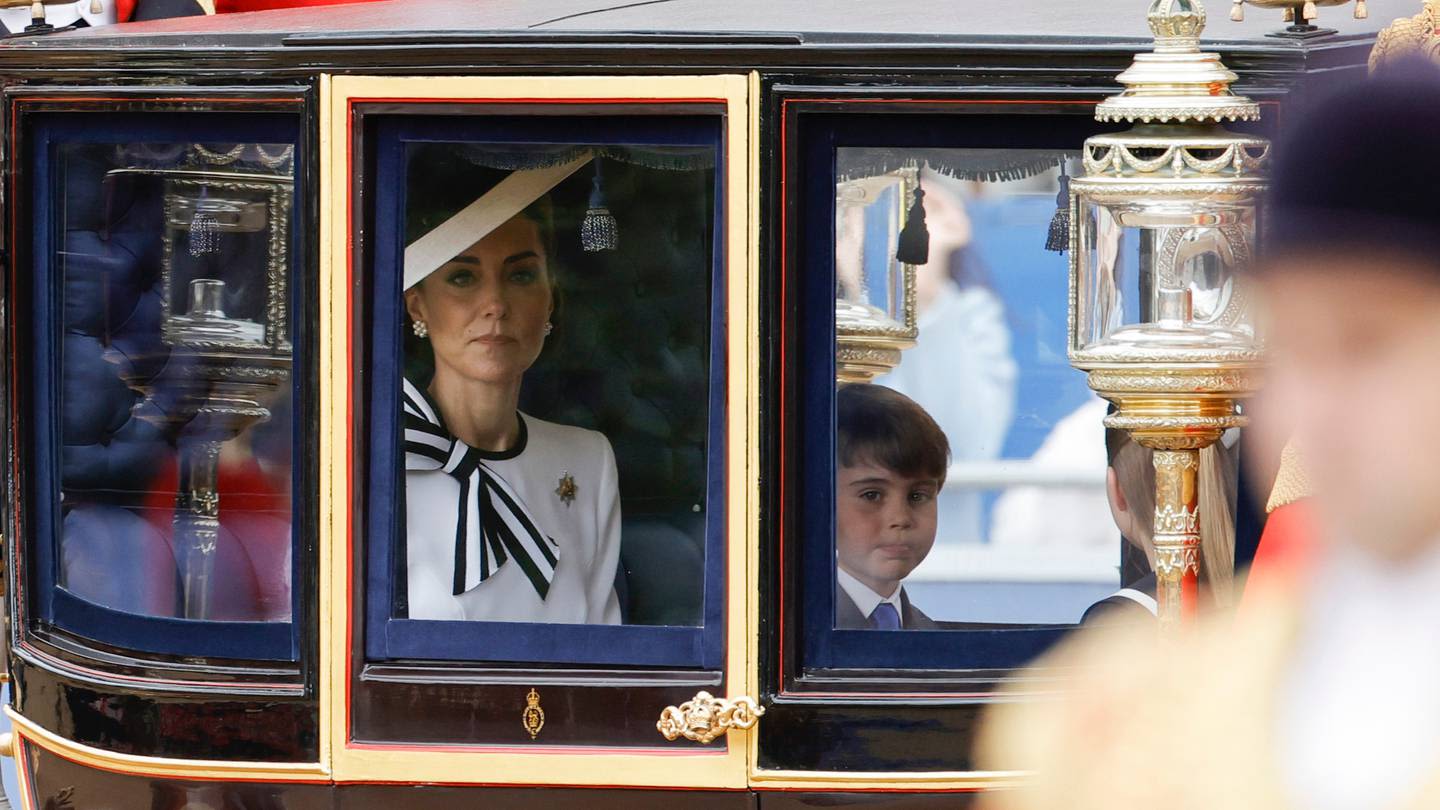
{"points": [[1408, 36], [1291, 483]]}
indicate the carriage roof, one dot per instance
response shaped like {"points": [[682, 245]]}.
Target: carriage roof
{"points": [[762, 24]]}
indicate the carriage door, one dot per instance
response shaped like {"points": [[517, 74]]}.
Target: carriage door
{"points": [[540, 490]]}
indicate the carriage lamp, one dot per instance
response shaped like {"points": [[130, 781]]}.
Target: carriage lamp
{"points": [[1300, 15], [1163, 223], [225, 334], [875, 317]]}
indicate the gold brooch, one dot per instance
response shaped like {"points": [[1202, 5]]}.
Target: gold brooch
{"points": [[533, 718], [566, 489]]}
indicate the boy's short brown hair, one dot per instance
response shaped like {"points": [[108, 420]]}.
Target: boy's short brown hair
{"points": [[884, 427]]}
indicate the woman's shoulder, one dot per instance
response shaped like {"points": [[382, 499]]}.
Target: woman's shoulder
{"points": [[555, 439]]}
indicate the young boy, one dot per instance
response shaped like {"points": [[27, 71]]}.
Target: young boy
{"points": [[891, 459]]}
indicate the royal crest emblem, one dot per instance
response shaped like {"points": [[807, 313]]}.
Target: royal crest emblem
{"points": [[533, 717]]}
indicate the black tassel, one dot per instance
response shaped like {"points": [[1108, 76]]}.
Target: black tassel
{"points": [[598, 231], [1059, 238], [914, 247]]}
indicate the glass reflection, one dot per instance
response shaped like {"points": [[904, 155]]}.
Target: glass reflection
{"points": [[1022, 528], [175, 393], [556, 339], [869, 213], [1196, 254]]}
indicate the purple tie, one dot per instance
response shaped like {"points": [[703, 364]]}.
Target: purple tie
{"points": [[885, 617]]}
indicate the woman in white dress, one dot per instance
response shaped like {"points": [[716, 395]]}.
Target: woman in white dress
{"points": [[508, 517]]}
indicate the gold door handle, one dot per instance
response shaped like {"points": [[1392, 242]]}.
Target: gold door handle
{"points": [[705, 717]]}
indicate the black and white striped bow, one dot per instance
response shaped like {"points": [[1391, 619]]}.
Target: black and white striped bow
{"points": [[491, 522]]}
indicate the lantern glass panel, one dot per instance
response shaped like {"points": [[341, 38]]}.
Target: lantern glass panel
{"points": [[1135, 256], [869, 279], [221, 226], [175, 398]]}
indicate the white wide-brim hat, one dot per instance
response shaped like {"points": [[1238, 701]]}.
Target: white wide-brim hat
{"points": [[474, 222]]}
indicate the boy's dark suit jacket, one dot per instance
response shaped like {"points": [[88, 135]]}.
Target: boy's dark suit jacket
{"points": [[849, 617], [1119, 607]]}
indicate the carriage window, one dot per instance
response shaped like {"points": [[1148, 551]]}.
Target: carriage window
{"points": [[957, 468], [972, 487], [166, 360], [550, 448], [975, 486]]}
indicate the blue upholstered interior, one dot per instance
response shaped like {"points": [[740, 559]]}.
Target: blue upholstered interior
{"points": [[111, 456], [110, 272]]}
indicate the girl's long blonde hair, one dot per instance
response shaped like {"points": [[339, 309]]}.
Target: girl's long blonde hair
{"points": [[1217, 480], [1218, 491]]}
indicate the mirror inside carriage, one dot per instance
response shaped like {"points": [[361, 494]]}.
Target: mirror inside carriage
{"points": [[174, 377], [556, 407], [975, 484]]}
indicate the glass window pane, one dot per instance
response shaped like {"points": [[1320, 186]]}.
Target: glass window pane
{"points": [[555, 325], [1013, 526], [175, 377]]}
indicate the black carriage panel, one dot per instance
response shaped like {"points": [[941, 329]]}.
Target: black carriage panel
{"points": [[162, 288]]}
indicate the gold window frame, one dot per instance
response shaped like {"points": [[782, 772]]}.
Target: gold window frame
{"points": [[715, 767]]}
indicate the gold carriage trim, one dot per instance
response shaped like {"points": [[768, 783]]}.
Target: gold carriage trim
{"points": [[784, 779], [203, 769]]}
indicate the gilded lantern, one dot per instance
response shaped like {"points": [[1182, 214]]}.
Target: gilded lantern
{"points": [[1163, 224]]}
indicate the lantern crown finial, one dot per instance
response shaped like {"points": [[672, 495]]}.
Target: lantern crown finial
{"points": [[1176, 82], [1177, 22]]}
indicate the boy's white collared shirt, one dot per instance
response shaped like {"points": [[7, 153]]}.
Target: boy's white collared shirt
{"points": [[866, 599]]}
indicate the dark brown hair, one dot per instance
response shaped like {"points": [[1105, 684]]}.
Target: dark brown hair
{"points": [[884, 427]]}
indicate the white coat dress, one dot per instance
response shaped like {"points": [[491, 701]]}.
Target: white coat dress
{"points": [[554, 498]]}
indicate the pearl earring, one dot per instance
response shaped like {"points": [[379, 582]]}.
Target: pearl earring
{"points": [[421, 330], [549, 327]]}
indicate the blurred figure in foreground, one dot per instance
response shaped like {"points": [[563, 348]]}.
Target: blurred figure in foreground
{"points": [[1325, 693], [1287, 543]]}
